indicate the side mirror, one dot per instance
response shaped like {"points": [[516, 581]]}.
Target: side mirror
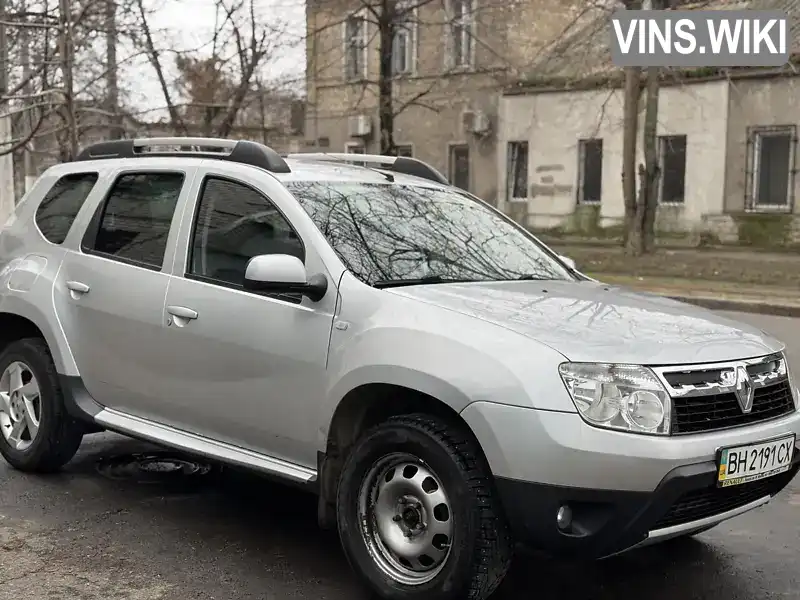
{"points": [[569, 262], [283, 274]]}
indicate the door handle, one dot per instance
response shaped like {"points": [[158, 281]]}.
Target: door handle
{"points": [[77, 289], [182, 312]]}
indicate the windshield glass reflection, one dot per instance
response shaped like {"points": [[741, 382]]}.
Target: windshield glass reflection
{"points": [[391, 232]]}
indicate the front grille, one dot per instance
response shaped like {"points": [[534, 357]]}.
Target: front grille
{"points": [[707, 397], [709, 502], [695, 414]]}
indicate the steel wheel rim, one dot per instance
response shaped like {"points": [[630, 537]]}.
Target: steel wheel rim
{"points": [[406, 519], [20, 405]]}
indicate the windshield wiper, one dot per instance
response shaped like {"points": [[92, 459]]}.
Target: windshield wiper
{"points": [[431, 279]]}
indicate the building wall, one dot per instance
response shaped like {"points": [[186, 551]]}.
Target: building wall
{"points": [[757, 103], [553, 123], [505, 44]]}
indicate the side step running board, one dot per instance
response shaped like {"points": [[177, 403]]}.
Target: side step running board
{"points": [[195, 444]]}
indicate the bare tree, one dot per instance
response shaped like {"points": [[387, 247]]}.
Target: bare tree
{"points": [[116, 129], [640, 209], [632, 96], [214, 88]]}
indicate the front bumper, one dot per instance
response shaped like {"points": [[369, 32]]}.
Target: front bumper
{"points": [[608, 522], [623, 489]]}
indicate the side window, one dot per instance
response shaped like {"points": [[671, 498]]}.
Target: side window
{"points": [[233, 224], [136, 218], [61, 205]]}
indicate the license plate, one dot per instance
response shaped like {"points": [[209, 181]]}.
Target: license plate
{"points": [[742, 464]]}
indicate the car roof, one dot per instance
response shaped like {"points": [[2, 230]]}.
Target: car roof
{"points": [[301, 170]]}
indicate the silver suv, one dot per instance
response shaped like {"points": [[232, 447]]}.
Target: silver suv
{"points": [[444, 382]]}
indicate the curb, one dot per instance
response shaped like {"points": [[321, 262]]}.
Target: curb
{"points": [[763, 308], [669, 246]]}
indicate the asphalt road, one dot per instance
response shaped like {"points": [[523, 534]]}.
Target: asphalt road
{"points": [[93, 532]]}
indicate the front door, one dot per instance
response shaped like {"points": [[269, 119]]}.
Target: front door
{"points": [[109, 295], [246, 368]]}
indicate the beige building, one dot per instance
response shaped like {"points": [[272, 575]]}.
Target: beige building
{"points": [[451, 59], [727, 145]]}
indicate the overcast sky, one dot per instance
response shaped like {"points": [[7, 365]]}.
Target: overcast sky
{"points": [[188, 24]]}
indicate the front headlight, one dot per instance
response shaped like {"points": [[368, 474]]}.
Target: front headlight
{"points": [[622, 397]]}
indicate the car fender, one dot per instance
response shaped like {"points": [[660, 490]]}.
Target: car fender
{"points": [[457, 372]]}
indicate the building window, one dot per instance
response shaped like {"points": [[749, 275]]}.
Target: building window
{"points": [[405, 150], [405, 38], [460, 33], [354, 148], [672, 163], [772, 151], [459, 166], [590, 171], [517, 170], [355, 47]]}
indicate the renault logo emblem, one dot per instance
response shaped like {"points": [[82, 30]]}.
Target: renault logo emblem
{"points": [[743, 389]]}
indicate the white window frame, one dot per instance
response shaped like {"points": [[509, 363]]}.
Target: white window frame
{"points": [[662, 142], [349, 146], [758, 136], [410, 29], [467, 33], [511, 162], [361, 14]]}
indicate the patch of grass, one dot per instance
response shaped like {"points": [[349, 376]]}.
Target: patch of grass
{"points": [[765, 231]]}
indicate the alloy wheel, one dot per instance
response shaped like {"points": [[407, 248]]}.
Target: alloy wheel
{"points": [[20, 406]]}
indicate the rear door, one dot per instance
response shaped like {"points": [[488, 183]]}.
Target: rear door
{"points": [[109, 293]]}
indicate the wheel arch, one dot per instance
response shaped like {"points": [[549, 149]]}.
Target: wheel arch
{"points": [[361, 408], [16, 310], [15, 327]]}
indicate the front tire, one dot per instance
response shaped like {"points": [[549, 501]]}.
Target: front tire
{"points": [[36, 433], [418, 514]]}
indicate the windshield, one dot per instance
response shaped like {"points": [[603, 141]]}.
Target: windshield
{"points": [[391, 233]]}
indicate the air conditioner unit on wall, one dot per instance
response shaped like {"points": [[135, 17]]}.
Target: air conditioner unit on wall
{"points": [[359, 126], [475, 121]]}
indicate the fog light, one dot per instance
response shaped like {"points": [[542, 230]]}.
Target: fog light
{"points": [[564, 517]]}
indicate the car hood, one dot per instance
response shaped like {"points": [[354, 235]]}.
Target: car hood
{"points": [[591, 321]]}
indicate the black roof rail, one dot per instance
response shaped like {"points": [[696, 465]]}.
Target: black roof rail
{"points": [[398, 164], [239, 151]]}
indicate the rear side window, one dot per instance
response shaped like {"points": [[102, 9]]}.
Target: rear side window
{"points": [[61, 205], [136, 218]]}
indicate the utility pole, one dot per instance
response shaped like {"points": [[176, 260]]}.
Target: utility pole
{"points": [[25, 58], [112, 85], [67, 64]]}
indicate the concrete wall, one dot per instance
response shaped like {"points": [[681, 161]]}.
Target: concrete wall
{"points": [[552, 123]]}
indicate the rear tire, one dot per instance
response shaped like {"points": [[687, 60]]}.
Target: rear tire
{"points": [[418, 515], [37, 434]]}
